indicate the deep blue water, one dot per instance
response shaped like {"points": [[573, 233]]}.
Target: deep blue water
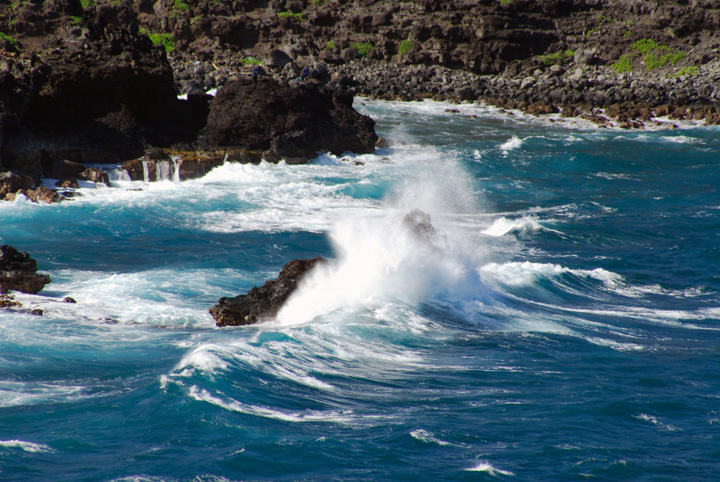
{"points": [[563, 328]]}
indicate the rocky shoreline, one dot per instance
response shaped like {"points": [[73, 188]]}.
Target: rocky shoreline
{"points": [[97, 81]]}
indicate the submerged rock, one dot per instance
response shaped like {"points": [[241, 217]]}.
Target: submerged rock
{"points": [[420, 224], [263, 303], [18, 272]]}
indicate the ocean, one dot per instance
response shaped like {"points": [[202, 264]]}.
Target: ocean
{"points": [[561, 325]]}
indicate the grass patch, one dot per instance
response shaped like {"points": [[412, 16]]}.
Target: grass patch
{"points": [[75, 20], [505, 3], [296, 16], [625, 64], [652, 55], [330, 45], [87, 3], [646, 46], [165, 39], [363, 48], [654, 61], [656, 56], [557, 57]]}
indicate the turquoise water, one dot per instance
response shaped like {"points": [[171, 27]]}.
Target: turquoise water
{"points": [[564, 328]]}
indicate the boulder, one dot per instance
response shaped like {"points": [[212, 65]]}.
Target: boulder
{"points": [[95, 175], [263, 303], [66, 170], [12, 182], [286, 122], [18, 271]]}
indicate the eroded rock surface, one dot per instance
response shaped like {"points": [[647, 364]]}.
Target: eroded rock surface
{"points": [[18, 272], [263, 303]]}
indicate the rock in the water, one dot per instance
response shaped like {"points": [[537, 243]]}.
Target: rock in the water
{"points": [[420, 224], [290, 122], [7, 301], [263, 303], [18, 272], [11, 182]]}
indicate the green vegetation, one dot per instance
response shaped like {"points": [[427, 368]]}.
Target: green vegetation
{"points": [[330, 45], [654, 61], [87, 3], [75, 20], [557, 57], [655, 55], [646, 45], [652, 55], [7, 37], [165, 39], [251, 61], [363, 48], [623, 65], [693, 70], [181, 6], [505, 3], [296, 16], [405, 46]]}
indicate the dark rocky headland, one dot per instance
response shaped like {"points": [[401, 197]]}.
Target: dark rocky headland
{"points": [[97, 81]]}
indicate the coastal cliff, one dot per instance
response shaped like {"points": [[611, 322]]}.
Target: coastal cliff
{"points": [[97, 80]]}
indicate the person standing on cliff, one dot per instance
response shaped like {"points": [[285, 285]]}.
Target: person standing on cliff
{"points": [[305, 73], [255, 73]]}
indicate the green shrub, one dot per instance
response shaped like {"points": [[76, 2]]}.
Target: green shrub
{"points": [[505, 3], [363, 48], [87, 3], [654, 56], [646, 45], [181, 6], [75, 20], [405, 46], [654, 61], [165, 39], [330, 45], [623, 65]]}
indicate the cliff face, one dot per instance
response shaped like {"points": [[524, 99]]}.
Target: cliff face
{"points": [[484, 37]]}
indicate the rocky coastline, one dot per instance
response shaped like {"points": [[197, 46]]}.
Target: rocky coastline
{"points": [[98, 81]]}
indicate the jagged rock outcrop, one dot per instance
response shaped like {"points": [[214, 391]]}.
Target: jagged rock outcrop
{"points": [[18, 272], [282, 121], [98, 94], [263, 303]]}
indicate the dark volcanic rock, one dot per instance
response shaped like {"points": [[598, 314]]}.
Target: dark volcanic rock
{"points": [[263, 303], [290, 122], [18, 272], [100, 96], [12, 182]]}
